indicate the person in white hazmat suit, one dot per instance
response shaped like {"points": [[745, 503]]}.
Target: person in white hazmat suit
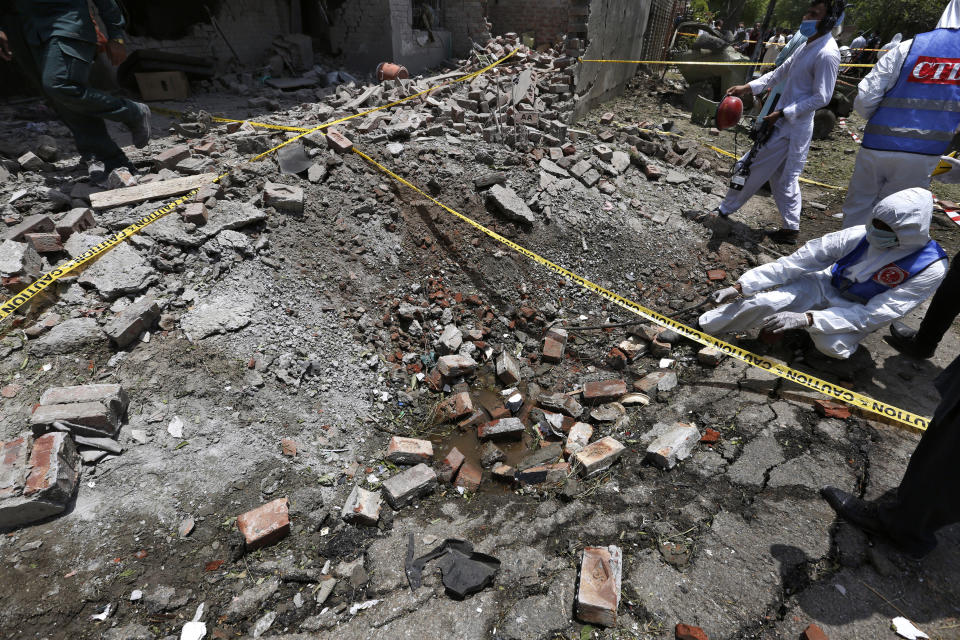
{"points": [[911, 100], [809, 76], [845, 285]]}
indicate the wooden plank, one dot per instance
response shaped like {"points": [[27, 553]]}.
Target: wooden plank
{"points": [[149, 191]]}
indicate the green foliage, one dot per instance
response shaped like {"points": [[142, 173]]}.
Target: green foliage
{"points": [[889, 17], [789, 13]]}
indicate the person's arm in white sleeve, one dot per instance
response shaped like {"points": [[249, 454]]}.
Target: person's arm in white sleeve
{"points": [[881, 79], [815, 255], [772, 78], [824, 80], [881, 308]]}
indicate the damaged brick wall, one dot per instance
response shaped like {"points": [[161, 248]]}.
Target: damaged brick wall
{"points": [[547, 19], [361, 33], [465, 20]]}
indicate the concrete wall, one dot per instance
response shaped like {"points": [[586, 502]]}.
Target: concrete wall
{"points": [[615, 30], [361, 33], [465, 20], [548, 19]]}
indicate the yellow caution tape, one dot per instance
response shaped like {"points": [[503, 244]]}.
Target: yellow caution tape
{"points": [[705, 63], [943, 166], [22, 298], [92, 253], [865, 403]]}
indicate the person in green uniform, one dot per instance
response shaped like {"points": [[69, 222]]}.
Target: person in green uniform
{"points": [[55, 43]]}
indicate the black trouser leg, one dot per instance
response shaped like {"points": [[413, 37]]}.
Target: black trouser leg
{"points": [[944, 308], [927, 498]]}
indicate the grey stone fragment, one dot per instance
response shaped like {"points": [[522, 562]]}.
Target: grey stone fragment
{"points": [[490, 454], [544, 615], [163, 598], [118, 272], [93, 419], [124, 327], [76, 334], [508, 369], [362, 506], [673, 446], [249, 601], [283, 197], [403, 488], [505, 201], [450, 340], [221, 315], [227, 215], [19, 259]]}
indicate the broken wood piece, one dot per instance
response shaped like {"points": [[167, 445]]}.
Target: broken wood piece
{"points": [[149, 191]]}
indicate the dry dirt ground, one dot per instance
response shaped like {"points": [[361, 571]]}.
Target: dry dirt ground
{"points": [[735, 539]]}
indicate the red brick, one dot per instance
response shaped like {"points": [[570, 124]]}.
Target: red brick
{"points": [[265, 525], [409, 450], [552, 349], [196, 213], [710, 436], [44, 242], [172, 156], [288, 447], [451, 465], [13, 464], [75, 221], [457, 406], [716, 274], [813, 632], [689, 632], [338, 142], [54, 468], [829, 409], [37, 223], [598, 595], [604, 391], [205, 148], [10, 391], [469, 477]]}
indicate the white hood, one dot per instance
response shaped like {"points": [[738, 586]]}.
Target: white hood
{"points": [[951, 16], [908, 213]]}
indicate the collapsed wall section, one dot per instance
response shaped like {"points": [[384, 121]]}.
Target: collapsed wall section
{"points": [[546, 19], [361, 33], [615, 31]]}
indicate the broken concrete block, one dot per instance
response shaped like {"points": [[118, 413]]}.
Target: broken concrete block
{"points": [[31, 162], [109, 395], [469, 477], [508, 369], [127, 325], [75, 221], [49, 480], [598, 595], [196, 213], [338, 142], [560, 402], [37, 223], [451, 465], [502, 429], [265, 525], [455, 366], [578, 438], [657, 381], [505, 201], [553, 345], [544, 473], [409, 450], [71, 335], [20, 265], [490, 454], [450, 340], [599, 391], [94, 418], [674, 445], [403, 488], [598, 456], [283, 197], [362, 507], [118, 272]]}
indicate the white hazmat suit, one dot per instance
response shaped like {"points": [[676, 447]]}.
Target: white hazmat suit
{"points": [[801, 282], [809, 76], [878, 173]]}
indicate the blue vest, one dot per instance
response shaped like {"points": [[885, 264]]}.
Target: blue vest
{"points": [[922, 111], [887, 277]]}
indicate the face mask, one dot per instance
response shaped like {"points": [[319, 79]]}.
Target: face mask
{"points": [[881, 239], [808, 27]]}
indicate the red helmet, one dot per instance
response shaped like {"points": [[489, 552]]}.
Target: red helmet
{"points": [[729, 112]]}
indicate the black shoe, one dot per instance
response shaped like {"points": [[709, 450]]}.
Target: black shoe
{"points": [[141, 128], [904, 339], [866, 517], [784, 236]]}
